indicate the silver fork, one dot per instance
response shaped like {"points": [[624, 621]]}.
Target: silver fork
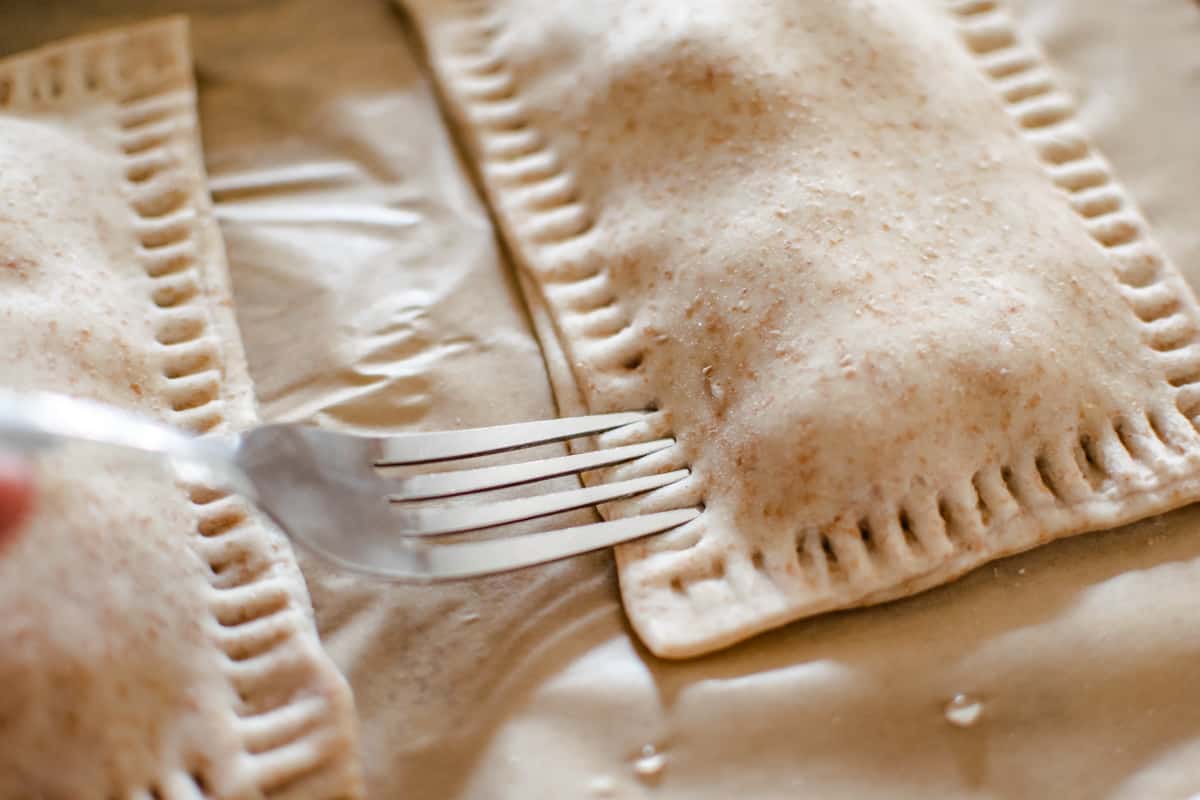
{"points": [[324, 489]]}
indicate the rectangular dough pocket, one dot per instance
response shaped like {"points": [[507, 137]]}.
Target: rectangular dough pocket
{"points": [[895, 309], [156, 641]]}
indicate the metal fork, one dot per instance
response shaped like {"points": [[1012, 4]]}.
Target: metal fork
{"points": [[324, 489]]}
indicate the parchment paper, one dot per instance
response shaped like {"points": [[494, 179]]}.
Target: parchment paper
{"points": [[372, 296]]}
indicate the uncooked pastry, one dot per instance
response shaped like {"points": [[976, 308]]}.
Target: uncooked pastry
{"points": [[156, 639], [894, 307]]}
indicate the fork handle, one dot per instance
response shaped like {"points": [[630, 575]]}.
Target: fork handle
{"points": [[35, 421]]}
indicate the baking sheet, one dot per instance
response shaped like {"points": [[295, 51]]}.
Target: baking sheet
{"points": [[372, 297]]}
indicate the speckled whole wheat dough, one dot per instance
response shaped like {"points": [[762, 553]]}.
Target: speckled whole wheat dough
{"points": [[155, 640], [895, 309]]}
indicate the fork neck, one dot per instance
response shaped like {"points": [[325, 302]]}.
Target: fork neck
{"points": [[214, 456]]}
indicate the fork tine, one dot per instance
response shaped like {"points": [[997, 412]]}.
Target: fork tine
{"points": [[474, 559], [421, 448], [447, 484], [441, 521]]}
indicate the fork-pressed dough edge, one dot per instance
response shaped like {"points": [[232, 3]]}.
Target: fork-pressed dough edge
{"points": [[579, 319], [306, 714]]}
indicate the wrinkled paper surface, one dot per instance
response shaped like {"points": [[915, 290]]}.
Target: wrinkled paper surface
{"points": [[373, 297]]}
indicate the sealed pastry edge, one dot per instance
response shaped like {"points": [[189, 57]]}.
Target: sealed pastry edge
{"points": [[146, 70], [1164, 458]]}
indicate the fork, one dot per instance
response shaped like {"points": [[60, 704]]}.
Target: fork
{"points": [[325, 489]]}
